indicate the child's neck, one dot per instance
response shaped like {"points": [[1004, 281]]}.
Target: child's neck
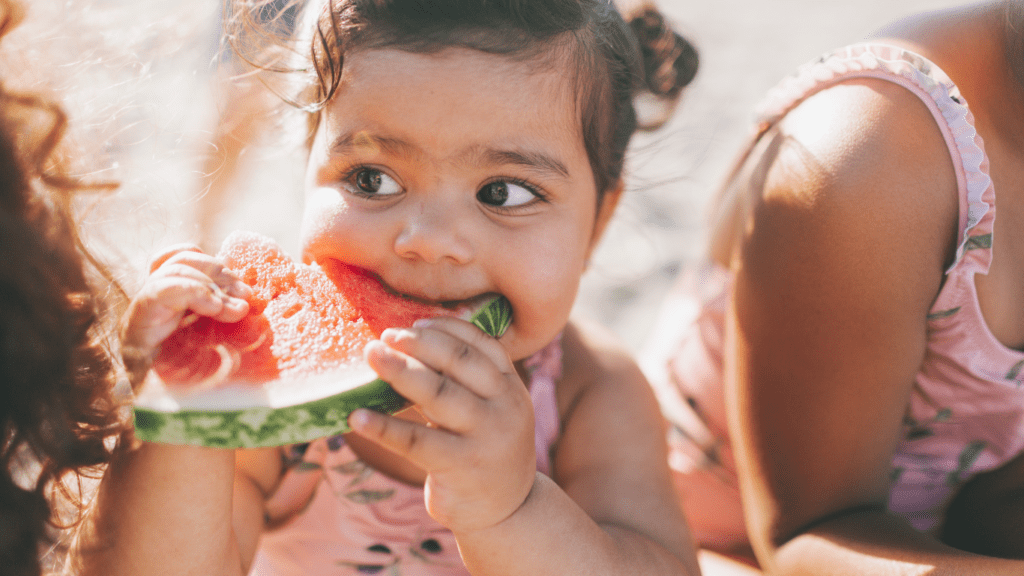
{"points": [[392, 465]]}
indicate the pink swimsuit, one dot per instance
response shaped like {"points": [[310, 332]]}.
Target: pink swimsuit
{"points": [[966, 413], [354, 520]]}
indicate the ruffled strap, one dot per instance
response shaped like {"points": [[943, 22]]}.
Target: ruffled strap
{"points": [[545, 368], [937, 91]]}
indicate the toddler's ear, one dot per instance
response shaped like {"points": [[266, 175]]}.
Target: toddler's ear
{"points": [[605, 211]]}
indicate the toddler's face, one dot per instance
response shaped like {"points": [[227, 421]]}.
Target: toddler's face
{"points": [[453, 175]]}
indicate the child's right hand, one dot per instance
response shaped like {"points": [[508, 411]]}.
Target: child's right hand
{"points": [[477, 446], [182, 279]]}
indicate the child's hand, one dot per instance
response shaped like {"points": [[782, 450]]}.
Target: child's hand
{"points": [[182, 279], [478, 448]]}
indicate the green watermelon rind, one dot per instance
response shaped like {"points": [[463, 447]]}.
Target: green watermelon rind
{"points": [[259, 427], [495, 317]]}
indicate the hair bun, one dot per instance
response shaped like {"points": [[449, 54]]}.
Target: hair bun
{"points": [[669, 60]]}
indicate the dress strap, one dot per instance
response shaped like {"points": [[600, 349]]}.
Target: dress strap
{"points": [[545, 368]]}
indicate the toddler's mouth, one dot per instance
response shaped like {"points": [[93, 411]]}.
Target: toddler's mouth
{"points": [[468, 306], [463, 307]]}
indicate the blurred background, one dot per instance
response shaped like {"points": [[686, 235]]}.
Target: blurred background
{"points": [[142, 84]]}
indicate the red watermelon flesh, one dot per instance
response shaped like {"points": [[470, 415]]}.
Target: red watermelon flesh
{"points": [[302, 320]]}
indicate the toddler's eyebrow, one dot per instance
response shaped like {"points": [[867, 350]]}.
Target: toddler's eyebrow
{"points": [[526, 158], [365, 142]]}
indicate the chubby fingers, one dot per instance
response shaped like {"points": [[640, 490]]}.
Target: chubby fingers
{"points": [[429, 448], [452, 345], [455, 349], [457, 375], [172, 296], [201, 267], [442, 398], [186, 281], [165, 254]]}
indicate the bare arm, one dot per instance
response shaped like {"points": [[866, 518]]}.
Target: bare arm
{"points": [[178, 510], [612, 510], [839, 262]]}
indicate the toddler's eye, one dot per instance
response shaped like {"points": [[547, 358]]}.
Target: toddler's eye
{"points": [[374, 183], [505, 194]]}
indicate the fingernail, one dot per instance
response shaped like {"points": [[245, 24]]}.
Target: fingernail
{"points": [[423, 323], [239, 289], [359, 419], [395, 334], [383, 355], [371, 347]]}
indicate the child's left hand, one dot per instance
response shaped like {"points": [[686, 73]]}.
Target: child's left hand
{"points": [[478, 447]]}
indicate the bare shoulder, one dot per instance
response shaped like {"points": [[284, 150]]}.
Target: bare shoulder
{"points": [[862, 153], [609, 415], [853, 221], [594, 361], [864, 158], [859, 140]]}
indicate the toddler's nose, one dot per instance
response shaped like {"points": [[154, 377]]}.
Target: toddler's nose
{"points": [[434, 235]]}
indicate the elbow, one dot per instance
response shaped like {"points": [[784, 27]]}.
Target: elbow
{"points": [[774, 539]]}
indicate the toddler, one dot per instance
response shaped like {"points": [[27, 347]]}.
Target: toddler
{"points": [[456, 149]]}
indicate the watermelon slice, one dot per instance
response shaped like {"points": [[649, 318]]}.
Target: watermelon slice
{"points": [[292, 370]]}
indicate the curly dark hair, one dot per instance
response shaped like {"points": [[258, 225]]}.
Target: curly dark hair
{"points": [[56, 371], [613, 60]]}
